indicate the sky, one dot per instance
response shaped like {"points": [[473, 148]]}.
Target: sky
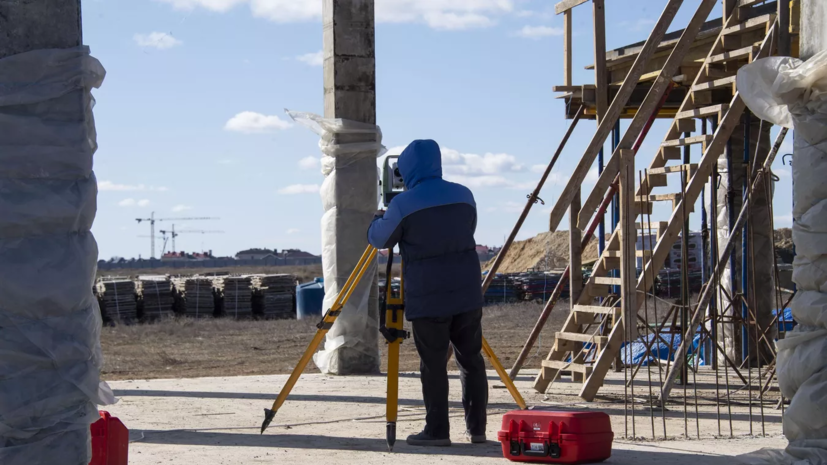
{"points": [[191, 121]]}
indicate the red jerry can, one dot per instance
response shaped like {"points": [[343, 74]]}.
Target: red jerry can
{"points": [[110, 441], [556, 436]]}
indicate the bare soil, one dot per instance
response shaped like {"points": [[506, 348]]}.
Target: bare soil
{"points": [[187, 348]]}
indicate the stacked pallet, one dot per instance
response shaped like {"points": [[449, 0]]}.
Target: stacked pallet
{"points": [[118, 300], [276, 294], [238, 296], [503, 289], [156, 296], [199, 298], [540, 286]]}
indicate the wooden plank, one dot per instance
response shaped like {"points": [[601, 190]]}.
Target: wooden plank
{"points": [[647, 108], [566, 88], [628, 240], [712, 110], [674, 169], [575, 252], [686, 125], [749, 25], [580, 337], [606, 280], [683, 141], [600, 79], [566, 366], [739, 54], [567, 48], [595, 309], [566, 5], [716, 84]]}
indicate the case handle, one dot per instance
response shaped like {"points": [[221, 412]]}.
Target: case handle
{"points": [[549, 449]]}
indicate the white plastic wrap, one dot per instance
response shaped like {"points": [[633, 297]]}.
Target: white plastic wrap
{"points": [[49, 319], [796, 92], [343, 142]]}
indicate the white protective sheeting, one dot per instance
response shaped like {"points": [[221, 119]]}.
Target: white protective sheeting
{"points": [[355, 319], [792, 93], [49, 320]]}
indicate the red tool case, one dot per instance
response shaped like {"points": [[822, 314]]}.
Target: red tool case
{"points": [[544, 436]]}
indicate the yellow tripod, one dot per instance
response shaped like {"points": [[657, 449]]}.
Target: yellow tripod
{"points": [[392, 330]]}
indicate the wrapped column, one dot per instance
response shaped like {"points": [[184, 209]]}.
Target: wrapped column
{"points": [[793, 94], [49, 319]]}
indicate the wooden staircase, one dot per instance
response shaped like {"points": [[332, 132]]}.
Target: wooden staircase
{"points": [[591, 337]]}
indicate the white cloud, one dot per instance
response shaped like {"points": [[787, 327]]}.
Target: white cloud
{"points": [[111, 186], [250, 122], [480, 181], [132, 203], [437, 14], [312, 59], [471, 164], [309, 162], [159, 40], [553, 178], [299, 189], [782, 173], [293, 231], [592, 176], [181, 208], [538, 32], [783, 220]]}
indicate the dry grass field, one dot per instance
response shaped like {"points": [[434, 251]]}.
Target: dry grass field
{"points": [[187, 348]]}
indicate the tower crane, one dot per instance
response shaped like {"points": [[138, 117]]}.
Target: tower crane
{"points": [[173, 234], [151, 220]]}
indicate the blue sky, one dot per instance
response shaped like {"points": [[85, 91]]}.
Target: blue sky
{"points": [[191, 116]]}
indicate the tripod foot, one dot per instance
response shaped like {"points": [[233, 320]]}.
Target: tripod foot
{"points": [[391, 435], [268, 417]]}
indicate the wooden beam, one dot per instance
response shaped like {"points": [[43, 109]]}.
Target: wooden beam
{"points": [[566, 5], [600, 80], [784, 43], [647, 108], [628, 240], [567, 48]]}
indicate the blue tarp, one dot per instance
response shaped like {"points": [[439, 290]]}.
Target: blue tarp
{"points": [[634, 352], [785, 320]]}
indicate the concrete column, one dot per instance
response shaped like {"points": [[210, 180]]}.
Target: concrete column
{"points": [[43, 248], [350, 93]]}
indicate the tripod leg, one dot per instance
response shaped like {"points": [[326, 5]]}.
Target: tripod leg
{"points": [[391, 406], [492, 357], [324, 326]]}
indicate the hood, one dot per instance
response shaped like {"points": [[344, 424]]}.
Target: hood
{"points": [[420, 160]]}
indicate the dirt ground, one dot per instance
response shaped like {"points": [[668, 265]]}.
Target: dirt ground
{"points": [[545, 251], [188, 348], [341, 420]]}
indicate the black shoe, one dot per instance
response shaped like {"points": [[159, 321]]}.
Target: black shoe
{"points": [[475, 438], [425, 439]]}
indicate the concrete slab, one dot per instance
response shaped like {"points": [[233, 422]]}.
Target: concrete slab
{"points": [[341, 420]]}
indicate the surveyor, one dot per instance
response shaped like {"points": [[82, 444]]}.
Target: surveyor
{"points": [[433, 222]]}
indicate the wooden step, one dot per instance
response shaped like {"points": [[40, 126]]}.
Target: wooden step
{"points": [[692, 167], [643, 253], [664, 197], [747, 3], [655, 226], [580, 337], [704, 112], [595, 309], [745, 53], [684, 141], [716, 84], [711, 73], [758, 22], [655, 180], [605, 281], [567, 366]]}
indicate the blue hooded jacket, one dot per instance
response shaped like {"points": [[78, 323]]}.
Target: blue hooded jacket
{"points": [[433, 222]]}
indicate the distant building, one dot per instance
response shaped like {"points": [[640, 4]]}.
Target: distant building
{"points": [[183, 256], [256, 254]]}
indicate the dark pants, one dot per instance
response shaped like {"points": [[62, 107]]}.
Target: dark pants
{"points": [[433, 337]]}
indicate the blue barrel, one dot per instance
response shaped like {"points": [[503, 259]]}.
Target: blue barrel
{"points": [[309, 299]]}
